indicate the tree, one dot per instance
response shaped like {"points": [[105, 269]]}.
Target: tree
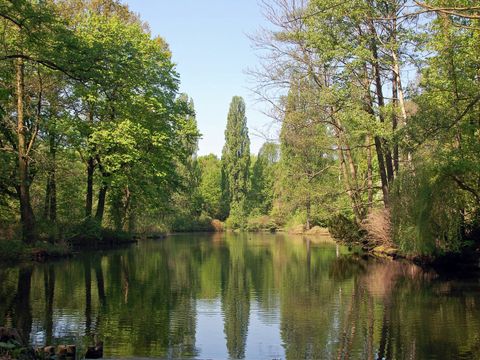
{"points": [[306, 162], [211, 186], [37, 39], [236, 158], [261, 193], [85, 82]]}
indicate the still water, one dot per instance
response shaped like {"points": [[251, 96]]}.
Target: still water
{"points": [[243, 296]]}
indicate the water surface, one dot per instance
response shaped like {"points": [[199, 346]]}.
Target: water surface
{"points": [[243, 296]]}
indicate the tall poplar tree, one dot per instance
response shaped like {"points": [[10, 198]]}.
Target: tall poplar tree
{"points": [[236, 158]]}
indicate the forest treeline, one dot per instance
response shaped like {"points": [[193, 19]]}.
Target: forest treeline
{"points": [[378, 104], [94, 131], [380, 118], [379, 108]]}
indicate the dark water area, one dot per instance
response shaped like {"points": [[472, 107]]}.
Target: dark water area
{"points": [[243, 296]]}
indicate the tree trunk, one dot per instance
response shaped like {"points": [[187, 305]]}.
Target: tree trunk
{"points": [[29, 233], [46, 208], [395, 121], [89, 196], [50, 210], [346, 178], [90, 171], [381, 168], [377, 141], [53, 180], [308, 205], [369, 172], [398, 95], [381, 101], [102, 194]]}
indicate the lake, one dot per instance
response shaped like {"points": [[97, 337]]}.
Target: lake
{"points": [[253, 296]]}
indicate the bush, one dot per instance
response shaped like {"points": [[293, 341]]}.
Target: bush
{"points": [[261, 223], [12, 250], [202, 223], [88, 229], [296, 222], [346, 230], [378, 226], [60, 249], [238, 217], [427, 211], [111, 236], [217, 225]]}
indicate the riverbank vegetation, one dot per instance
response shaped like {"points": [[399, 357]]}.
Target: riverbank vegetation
{"points": [[380, 121], [378, 106], [95, 136]]}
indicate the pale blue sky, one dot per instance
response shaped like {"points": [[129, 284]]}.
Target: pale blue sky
{"points": [[210, 47]]}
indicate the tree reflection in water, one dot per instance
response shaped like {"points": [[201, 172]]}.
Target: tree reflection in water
{"points": [[322, 301]]}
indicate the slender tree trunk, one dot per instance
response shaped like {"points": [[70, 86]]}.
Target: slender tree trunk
{"points": [[89, 196], [350, 173], [308, 205], [388, 163], [395, 121], [377, 141], [50, 209], [46, 208], [102, 194], [27, 217], [398, 95], [53, 180], [126, 207], [369, 172], [381, 167], [90, 171], [346, 180]]}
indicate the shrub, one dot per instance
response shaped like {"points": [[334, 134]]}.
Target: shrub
{"points": [[427, 211], [238, 217], [88, 229], [346, 230], [378, 227], [261, 223], [60, 249], [189, 223], [217, 225], [12, 250]]}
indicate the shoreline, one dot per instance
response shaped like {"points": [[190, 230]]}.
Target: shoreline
{"points": [[466, 262]]}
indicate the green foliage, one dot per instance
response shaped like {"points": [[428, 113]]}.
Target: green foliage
{"points": [[237, 220], [262, 183], [427, 213], [345, 229], [11, 250], [257, 222], [58, 250], [103, 96], [236, 161], [210, 187], [202, 223], [304, 174]]}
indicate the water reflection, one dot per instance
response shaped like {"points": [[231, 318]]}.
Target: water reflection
{"points": [[243, 296]]}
